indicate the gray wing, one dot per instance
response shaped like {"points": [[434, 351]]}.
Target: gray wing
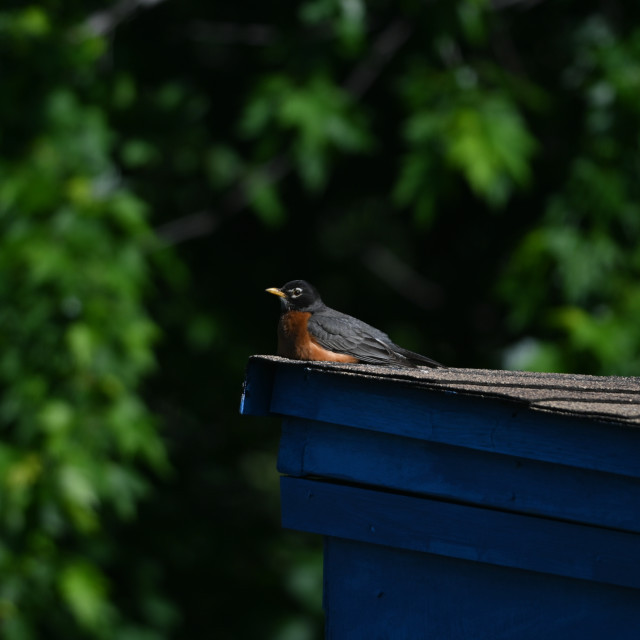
{"points": [[341, 333]]}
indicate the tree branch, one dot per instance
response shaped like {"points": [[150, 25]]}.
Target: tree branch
{"points": [[104, 22], [402, 277], [255, 35], [364, 75]]}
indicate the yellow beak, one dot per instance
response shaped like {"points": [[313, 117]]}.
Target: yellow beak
{"points": [[276, 292]]}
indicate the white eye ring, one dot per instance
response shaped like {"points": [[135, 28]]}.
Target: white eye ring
{"points": [[296, 292]]}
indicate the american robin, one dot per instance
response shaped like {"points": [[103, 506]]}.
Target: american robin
{"points": [[309, 330]]}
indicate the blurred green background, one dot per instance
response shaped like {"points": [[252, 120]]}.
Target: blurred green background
{"points": [[463, 175]]}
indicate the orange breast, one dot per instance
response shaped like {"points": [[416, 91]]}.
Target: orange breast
{"points": [[295, 342]]}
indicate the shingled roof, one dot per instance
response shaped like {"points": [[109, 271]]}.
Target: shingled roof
{"points": [[603, 398]]}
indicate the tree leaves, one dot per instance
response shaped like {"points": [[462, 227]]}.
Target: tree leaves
{"points": [[85, 591], [75, 341], [491, 146], [580, 265], [493, 152], [476, 133], [319, 119]]}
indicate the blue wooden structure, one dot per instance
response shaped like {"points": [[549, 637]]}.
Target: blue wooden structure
{"points": [[462, 504]]}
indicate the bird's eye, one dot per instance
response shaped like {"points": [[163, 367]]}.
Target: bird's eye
{"points": [[296, 292]]}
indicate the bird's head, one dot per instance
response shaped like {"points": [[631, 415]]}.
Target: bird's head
{"points": [[297, 295]]}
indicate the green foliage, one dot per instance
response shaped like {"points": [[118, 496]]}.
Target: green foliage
{"points": [[456, 124], [581, 265], [75, 341], [345, 17], [462, 174], [322, 121], [84, 589]]}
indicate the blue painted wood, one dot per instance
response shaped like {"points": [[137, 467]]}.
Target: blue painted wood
{"points": [[378, 593], [310, 448], [448, 418], [463, 532], [473, 517], [257, 388]]}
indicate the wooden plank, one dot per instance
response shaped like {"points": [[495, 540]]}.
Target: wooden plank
{"points": [[257, 388], [375, 592], [310, 448], [448, 418], [460, 531]]}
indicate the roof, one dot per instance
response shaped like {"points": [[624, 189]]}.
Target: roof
{"points": [[603, 398]]}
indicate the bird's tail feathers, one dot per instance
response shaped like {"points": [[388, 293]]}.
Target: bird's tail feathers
{"points": [[418, 360]]}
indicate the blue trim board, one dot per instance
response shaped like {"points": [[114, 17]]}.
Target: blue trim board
{"points": [[310, 448], [485, 424], [461, 531]]}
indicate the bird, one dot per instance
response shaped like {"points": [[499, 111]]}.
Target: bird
{"points": [[310, 330]]}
